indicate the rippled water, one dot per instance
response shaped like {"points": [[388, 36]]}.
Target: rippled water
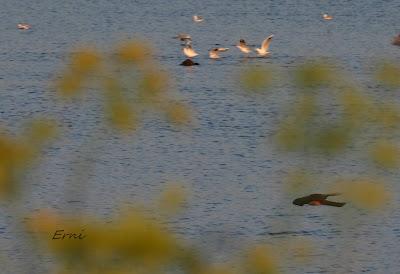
{"points": [[234, 172]]}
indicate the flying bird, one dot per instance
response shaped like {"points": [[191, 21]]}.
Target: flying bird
{"points": [[198, 18], [23, 26], [214, 53], [243, 46], [263, 51], [189, 51], [317, 199], [327, 17]]}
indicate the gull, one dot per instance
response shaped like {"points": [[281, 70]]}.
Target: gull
{"points": [[327, 17], [214, 53], [189, 51], [263, 51], [23, 26], [183, 37], [198, 18], [243, 46]]}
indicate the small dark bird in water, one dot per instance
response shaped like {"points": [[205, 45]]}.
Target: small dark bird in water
{"points": [[317, 199], [189, 63], [396, 40]]}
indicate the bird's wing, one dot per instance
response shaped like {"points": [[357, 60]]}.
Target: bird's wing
{"points": [[190, 51], [333, 194], [316, 197], [222, 49], [187, 51], [266, 42]]}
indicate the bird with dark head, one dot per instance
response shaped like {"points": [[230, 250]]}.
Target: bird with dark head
{"points": [[317, 199]]}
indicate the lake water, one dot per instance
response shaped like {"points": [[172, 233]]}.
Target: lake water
{"points": [[228, 160]]}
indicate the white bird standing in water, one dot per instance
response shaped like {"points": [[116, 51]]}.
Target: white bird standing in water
{"points": [[243, 46], [189, 51], [198, 18], [263, 51], [214, 53]]}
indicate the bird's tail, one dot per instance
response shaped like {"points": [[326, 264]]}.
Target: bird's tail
{"points": [[330, 203]]}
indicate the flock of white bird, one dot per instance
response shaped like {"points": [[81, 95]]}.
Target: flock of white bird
{"points": [[214, 53]]}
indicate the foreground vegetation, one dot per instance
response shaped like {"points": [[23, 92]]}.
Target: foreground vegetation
{"points": [[329, 116]]}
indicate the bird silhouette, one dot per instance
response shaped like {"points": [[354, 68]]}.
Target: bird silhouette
{"points": [[317, 199], [396, 40]]}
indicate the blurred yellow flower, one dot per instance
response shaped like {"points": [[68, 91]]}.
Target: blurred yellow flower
{"points": [[134, 51], [44, 221], [153, 82], [366, 194], [356, 106], [261, 260], [314, 74], [139, 238], [7, 187], [256, 78], [388, 115], [218, 269], [386, 154], [389, 75], [70, 84], [40, 131], [14, 155], [333, 139], [121, 115], [85, 61], [178, 113]]}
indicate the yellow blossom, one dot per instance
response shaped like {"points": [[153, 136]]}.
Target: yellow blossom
{"points": [[41, 130], [333, 139], [389, 74], [134, 51], [178, 113], [362, 193], [85, 61], [256, 78], [261, 260], [70, 84], [356, 106], [314, 74], [386, 154], [388, 115], [121, 115], [153, 82], [218, 269]]}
